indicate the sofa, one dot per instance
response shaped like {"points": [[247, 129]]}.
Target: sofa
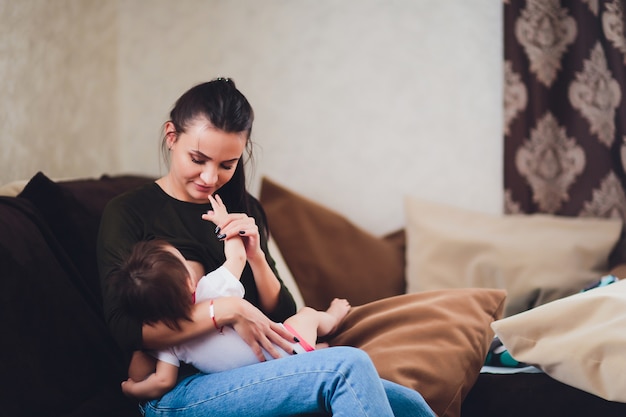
{"points": [[429, 335]]}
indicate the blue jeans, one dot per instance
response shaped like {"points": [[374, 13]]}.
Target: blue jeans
{"points": [[341, 381]]}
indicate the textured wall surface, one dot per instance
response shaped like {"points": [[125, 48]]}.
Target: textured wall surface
{"points": [[57, 88], [357, 103]]}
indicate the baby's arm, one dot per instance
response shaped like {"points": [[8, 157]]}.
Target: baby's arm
{"points": [[234, 249], [141, 365], [155, 385]]}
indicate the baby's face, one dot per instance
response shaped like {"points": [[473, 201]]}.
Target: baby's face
{"points": [[181, 258]]}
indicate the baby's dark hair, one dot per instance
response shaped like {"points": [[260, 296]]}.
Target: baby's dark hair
{"points": [[152, 285]]}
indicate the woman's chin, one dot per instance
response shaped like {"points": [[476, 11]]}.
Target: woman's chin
{"points": [[200, 194]]}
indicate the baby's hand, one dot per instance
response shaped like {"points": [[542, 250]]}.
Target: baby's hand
{"points": [[127, 388], [219, 212]]}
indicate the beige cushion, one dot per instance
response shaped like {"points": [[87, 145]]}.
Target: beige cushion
{"points": [[535, 258], [579, 340], [13, 188], [434, 342]]}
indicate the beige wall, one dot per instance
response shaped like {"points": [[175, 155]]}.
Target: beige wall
{"points": [[58, 88], [358, 102]]}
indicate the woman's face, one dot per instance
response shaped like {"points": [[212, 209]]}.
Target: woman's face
{"points": [[203, 159]]}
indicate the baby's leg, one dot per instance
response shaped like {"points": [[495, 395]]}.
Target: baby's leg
{"points": [[311, 324]]}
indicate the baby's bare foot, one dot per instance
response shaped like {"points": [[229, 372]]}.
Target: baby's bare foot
{"points": [[330, 319], [339, 308]]}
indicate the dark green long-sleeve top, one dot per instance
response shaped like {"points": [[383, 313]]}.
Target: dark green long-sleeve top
{"points": [[148, 212]]}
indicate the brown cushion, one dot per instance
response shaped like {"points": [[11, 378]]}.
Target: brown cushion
{"points": [[328, 255], [434, 342]]}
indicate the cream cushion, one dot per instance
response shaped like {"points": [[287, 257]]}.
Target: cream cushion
{"points": [[13, 188], [535, 258], [579, 340], [285, 274]]}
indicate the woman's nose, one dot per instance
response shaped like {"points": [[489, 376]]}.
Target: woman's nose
{"points": [[209, 176]]}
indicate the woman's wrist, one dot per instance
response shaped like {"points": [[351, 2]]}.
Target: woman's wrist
{"points": [[257, 259]]}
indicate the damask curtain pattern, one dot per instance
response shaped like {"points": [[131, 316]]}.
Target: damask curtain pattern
{"points": [[564, 107]]}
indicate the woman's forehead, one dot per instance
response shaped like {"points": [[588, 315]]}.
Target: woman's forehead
{"points": [[208, 140]]}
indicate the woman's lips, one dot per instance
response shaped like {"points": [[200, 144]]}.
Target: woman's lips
{"points": [[202, 188]]}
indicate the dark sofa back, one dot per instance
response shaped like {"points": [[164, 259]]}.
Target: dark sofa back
{"points": [[59, 359]]}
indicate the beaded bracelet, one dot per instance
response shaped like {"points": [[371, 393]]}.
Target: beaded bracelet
{"points": [[212, 313]]}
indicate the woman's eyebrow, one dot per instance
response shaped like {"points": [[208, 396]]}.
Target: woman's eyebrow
{"points": [[198, 153]]}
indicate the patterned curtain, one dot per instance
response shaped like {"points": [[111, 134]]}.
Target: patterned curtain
{"points": [[564, 109]]}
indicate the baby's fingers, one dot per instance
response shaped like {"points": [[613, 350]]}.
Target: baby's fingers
{"points": [[217, 203], [209, 215], [212, 199]]}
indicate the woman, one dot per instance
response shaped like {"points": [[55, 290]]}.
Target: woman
{"points": [[204, 142]]}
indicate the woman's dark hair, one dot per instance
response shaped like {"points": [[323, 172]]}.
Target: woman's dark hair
{"points": [[152, 285], [226, 108]]}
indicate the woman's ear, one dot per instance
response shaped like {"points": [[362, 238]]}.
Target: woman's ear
{"points": [[170, 134]]}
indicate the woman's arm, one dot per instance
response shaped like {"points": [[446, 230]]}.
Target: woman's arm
{"points": [[120, 228], [250, 323], [267, 283], [159, 336], [285, 304]]}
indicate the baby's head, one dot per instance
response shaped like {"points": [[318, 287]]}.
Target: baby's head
{"points": [[154, 284]]}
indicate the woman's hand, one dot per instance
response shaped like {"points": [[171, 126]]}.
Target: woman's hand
{"points": [[253, 326], [240, 225], [236, 224]]}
